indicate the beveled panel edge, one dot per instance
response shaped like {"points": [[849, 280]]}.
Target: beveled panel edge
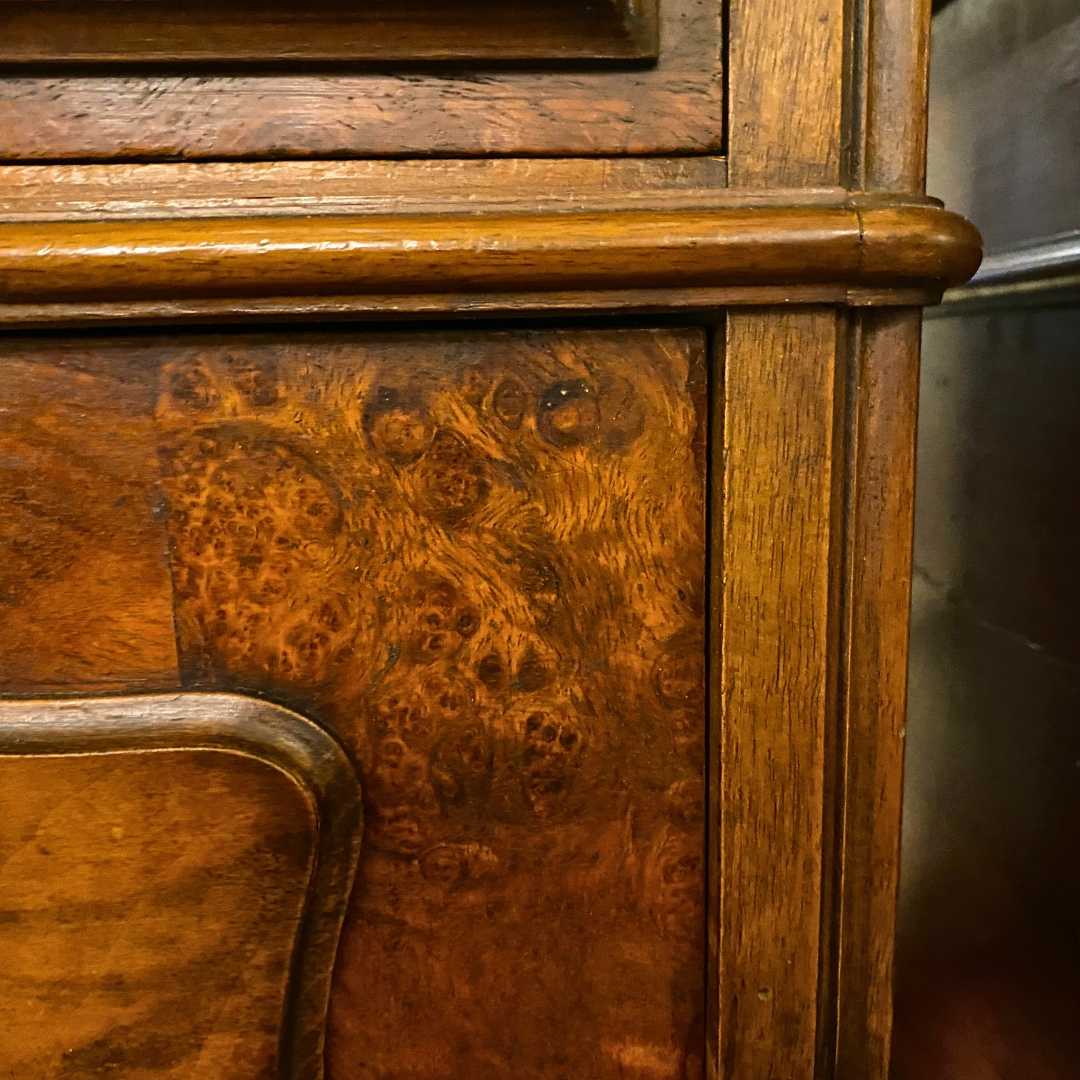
{"points": [[269, 733], [857, 244]]}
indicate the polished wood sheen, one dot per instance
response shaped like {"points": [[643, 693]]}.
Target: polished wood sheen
{"points": [[481, 558], [543, 426], [879, 246]]}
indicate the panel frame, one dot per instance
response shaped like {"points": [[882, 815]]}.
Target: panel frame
{"points": [[233, 724], [869, 135], [278, 33], [674, 105]]}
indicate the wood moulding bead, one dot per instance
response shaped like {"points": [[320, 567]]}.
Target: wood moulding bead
{"points": [[867, 246]]}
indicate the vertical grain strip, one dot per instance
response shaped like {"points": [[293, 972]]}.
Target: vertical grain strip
{"points": [[777, 473], [786, 61], [874, 677], [897, 81], [887, 79], [714, 680]]}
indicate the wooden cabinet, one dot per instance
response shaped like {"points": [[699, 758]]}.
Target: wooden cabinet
{"points": [[500, 422]]}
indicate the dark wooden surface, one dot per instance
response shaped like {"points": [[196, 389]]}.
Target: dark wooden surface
{"points": [[85, 576], [480, 557], [150, 906], [176, 869], [277, 32]]}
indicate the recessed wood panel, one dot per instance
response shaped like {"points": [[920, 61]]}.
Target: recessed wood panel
{"points": [[149, 904], [675, 105], [175, 872], [480, 557], [59, 32]]}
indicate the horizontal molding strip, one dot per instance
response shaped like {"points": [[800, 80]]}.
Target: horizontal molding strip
{"points": [[867, 247]]}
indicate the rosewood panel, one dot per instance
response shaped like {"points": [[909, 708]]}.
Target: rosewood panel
{"points": [[480, 557]]}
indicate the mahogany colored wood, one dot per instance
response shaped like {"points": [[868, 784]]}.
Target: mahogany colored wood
{"points": [[175, 873], [84, 576], [277, 32]]}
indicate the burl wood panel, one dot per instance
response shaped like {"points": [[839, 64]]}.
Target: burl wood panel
{"points": [[480, 558], [148, 905]]}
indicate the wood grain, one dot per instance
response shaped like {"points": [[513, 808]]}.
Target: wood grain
{"points": [[177, 909], [695, 303], [675, 106], [85, 596], [786, 85], [331, 188], [277, 32], [876, 245], [149, 908], [778, 461], [874, 679], [480, 557], [892, 79]]}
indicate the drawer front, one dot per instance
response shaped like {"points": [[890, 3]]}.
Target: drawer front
{"points": [[479, 558], [417, 77]]}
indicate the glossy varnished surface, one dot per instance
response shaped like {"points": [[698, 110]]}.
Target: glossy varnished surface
{"points": [[175, 872], [860, 243], [480, 558], [148, 907], [84, 575]]}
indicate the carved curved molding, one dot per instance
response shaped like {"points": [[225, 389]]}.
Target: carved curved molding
{"points": [[272, 735], [874, 246]]}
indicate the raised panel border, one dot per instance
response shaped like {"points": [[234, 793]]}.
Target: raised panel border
{"points": [[235, 724]]}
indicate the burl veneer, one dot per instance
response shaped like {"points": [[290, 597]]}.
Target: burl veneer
{"points": [[480, 559]]}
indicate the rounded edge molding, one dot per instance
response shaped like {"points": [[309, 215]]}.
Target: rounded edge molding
{"points": [[878, 246]]}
